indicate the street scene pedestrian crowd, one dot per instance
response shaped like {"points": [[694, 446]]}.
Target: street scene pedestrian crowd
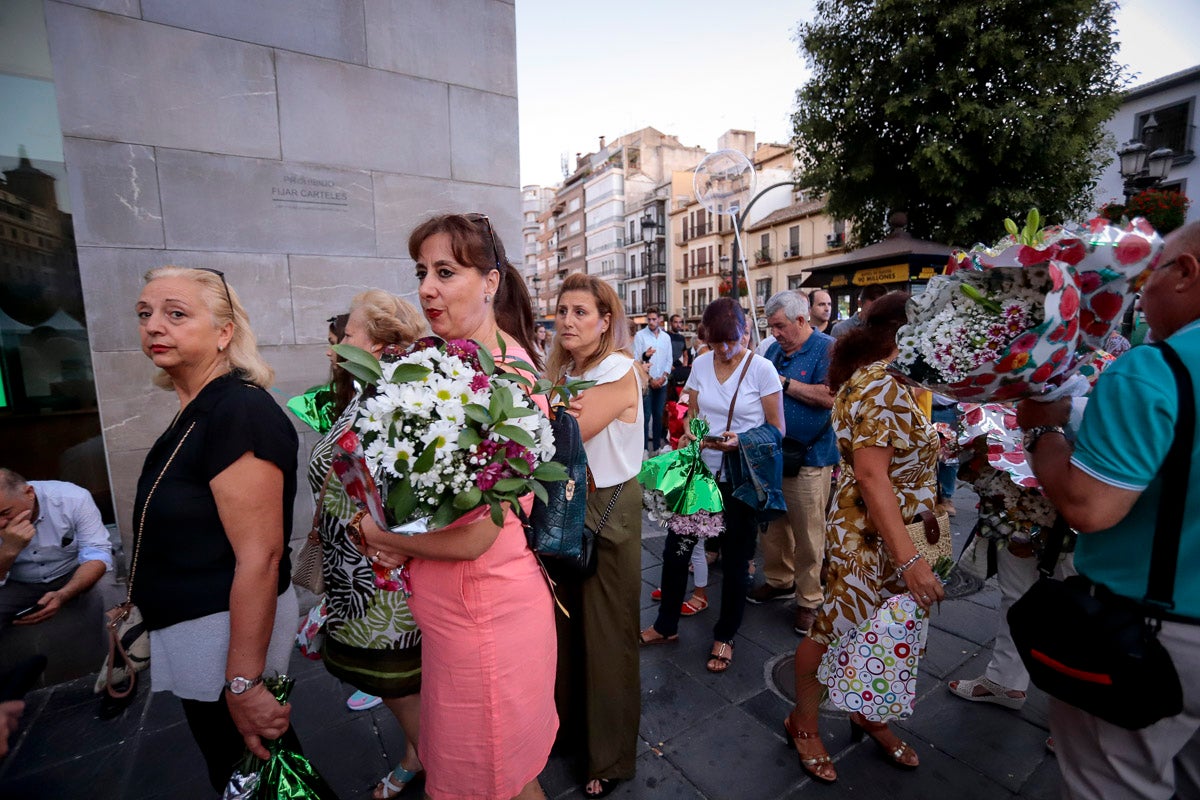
{"points": [[823, 458]]}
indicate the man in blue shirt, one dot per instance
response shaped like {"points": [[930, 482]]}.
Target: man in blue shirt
{"points": [[794, 544], [1108, 489], [652, 346], [53, 547]]}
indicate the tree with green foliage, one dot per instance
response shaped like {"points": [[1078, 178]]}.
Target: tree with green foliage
{"points": [[960, 112]]}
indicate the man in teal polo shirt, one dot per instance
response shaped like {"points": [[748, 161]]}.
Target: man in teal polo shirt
{"points": [[1108, 489]]}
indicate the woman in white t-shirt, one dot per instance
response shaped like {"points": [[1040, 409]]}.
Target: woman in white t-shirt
{"points": [[598, 689], [728, 375]]}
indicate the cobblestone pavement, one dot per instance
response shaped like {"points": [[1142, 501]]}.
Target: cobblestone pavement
{"points": [[702, 735]]}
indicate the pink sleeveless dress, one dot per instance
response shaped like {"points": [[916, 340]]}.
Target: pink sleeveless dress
{"points": [[488, 665]]}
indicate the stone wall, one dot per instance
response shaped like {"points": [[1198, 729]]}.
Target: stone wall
{"points": [[292, 144]]}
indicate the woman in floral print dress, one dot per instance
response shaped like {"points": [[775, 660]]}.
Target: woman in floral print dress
{"points": [[371, 640], [889, 477]]}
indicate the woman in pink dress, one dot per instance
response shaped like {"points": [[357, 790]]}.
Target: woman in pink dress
{"points": [[479, 596]]}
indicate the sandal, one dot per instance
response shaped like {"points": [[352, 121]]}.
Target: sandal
{"points": [[816, 761], [693, 606], [658, 638], [607, 787], [901, 754], [390, 788], [719, 660], [992, 692]]}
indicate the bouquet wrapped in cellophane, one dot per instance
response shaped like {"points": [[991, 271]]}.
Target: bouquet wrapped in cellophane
{"points": [[452, 435], [680, 490], [286, 775], [1024, 318]]}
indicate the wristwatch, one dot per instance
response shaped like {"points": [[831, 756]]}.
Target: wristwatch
{"points": [[239, 685], [1032, 435], [786, 383]]}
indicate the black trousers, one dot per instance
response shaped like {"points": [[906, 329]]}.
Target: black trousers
{"points": [[219, 740], [737, 549]]}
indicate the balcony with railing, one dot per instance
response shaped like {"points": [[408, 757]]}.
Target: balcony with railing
{"points": [[762, 256], [790, 252]]}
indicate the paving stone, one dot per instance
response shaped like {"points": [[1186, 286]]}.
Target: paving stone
{"points": [[995, 741], [55, 738], [725, 750], [348, 755], [656, 778], [1046, 781], [745, 677], [968, 620], [673, 701], [945, 653], [169, 762], [106, 770], [768, 708]]}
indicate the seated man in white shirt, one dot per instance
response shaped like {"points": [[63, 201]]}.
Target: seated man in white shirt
{"points": [[53, 547]]}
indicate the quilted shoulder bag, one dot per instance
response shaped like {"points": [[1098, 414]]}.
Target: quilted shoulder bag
{"points": [[128, 638], [1097, 650]]}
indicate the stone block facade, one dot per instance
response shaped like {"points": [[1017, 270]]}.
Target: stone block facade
{"points": [[292, 144]]}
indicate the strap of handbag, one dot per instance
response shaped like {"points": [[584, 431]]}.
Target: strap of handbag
{"points": [[117, 615], [612, 503], [314, 532], [1164, 556], [733, 402]]}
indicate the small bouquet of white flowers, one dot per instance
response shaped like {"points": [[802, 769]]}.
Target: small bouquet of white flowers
{"points": [[449, 433]]}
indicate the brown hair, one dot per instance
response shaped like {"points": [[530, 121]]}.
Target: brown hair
{"points": [[615, 339], [223, 303], [723, 321], [869, 342], [342, 381], [474, 243]]}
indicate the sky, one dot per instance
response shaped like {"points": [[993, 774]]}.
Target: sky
{"points": [[698, 68]]}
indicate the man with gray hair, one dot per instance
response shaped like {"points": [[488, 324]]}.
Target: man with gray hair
{"points": [[53, 547], [794, 544]]}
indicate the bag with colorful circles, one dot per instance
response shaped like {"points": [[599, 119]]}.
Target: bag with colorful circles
{"points": [[872, 669]]}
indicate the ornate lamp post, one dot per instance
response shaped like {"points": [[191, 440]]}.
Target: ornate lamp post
{"points": [[649, 232], [537, 293], [1142, 168]]}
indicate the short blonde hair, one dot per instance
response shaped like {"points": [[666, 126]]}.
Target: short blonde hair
{"points": [[225, 306], [388, 319]]}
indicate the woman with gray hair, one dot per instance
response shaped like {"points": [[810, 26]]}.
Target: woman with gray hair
{"points": [[210, 570]]}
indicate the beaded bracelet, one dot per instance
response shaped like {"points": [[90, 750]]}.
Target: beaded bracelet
{"points": [[355, 530], [906, 565]]}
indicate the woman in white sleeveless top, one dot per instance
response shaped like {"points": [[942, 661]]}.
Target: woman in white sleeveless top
{"points": [[598, 690]]}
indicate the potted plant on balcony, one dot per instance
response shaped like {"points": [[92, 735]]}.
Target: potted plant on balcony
{"points": [[726, 287], [763, 256], [1164, 209]]}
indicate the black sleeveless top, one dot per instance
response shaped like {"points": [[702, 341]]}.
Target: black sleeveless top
{"points": [[185, 562]]}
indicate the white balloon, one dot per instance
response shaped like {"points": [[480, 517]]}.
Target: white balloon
{"points": [[724, 182]]}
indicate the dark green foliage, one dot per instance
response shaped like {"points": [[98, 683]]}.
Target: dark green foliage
{"points": [[960, 112]]}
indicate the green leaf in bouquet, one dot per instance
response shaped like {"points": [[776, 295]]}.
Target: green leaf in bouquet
{"points": [[501, 400], [540, 492], [980, 298], [1033, 227], [358, 362], [515, 377], [487, 362], [406, 373], [497, 513], [477, 413], [446, 513], [520, 364], [469, 438], [425, 460], [510, 484], [401, 500], [518, 435], [550, 472], [468, 499], [519, 466]]}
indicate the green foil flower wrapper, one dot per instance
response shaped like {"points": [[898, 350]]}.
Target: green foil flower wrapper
{"points": [[681, 491], [286, 775], [315, 407]]}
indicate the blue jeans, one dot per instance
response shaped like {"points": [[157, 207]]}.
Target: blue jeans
{"points": [[653, 403], [947, 473]]}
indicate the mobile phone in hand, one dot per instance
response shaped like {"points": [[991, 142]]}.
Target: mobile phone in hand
{"points": [[25, 612], [714, 439]]}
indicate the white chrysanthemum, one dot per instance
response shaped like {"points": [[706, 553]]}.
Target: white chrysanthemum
{"points": [[414, 400], [371, 419], [544, 439]]}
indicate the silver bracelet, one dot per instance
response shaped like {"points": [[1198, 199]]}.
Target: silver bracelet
{"points": [[906, 565]]}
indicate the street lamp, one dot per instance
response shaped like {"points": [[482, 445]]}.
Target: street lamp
{"points": [[649, 232], [537, 293], [1142, 168]]}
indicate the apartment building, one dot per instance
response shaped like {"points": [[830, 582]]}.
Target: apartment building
{"points": [[785, 244], [535, 203]]}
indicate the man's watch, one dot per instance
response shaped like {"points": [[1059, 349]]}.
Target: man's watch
{"points": [[786, 383], [1032, 435], [239, 685]]}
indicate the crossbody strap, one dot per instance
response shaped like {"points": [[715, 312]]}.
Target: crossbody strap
{"points": [[733, 402], [137, 542], [1160, 587]]}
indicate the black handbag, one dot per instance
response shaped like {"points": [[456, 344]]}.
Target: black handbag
{"points": [[555, 528], [1097, 650], [795, 450]]}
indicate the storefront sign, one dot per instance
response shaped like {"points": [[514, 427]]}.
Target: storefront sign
{"points": [[838, 280], [896, 273], [927, 273]]}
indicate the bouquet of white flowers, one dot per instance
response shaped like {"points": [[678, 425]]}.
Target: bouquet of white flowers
{"points": [[449, 432]]}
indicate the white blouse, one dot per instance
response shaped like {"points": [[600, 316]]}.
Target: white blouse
{"points": [[615, 453]]}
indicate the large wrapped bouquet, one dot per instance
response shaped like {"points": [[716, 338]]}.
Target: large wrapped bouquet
{"points": [[1019, 320]]}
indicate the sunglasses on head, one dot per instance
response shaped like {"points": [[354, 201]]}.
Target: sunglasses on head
{"points": [[221, 275], [477, 218]]}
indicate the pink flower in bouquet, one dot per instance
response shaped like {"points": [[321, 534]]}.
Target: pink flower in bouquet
{"points": [[487, 477], [479, 382]]}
